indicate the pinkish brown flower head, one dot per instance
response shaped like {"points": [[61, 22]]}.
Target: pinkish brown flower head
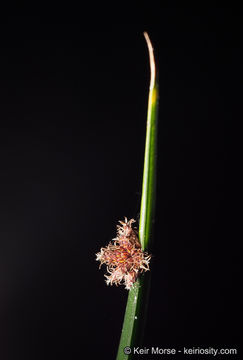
{"points": [[124, 258]]}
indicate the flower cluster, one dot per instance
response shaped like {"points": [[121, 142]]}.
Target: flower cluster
{"points": [[124, 258]]}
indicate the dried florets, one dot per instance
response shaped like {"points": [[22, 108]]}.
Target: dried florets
{"points": [[124, 257]]}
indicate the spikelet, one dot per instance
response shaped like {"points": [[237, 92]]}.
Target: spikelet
{"points": [[124, 258]]}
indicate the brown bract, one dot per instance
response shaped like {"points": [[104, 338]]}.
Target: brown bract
{"points": [[123, 257]]}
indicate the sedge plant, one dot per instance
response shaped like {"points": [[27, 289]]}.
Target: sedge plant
{"points": [[127, 258]]}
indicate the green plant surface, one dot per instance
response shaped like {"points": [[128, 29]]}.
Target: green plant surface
{"points": [[135, 314]]}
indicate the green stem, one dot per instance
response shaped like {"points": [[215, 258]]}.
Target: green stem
{"points": [[135, 314]]}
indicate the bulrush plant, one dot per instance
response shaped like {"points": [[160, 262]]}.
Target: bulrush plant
{"points": [[127, 257]]}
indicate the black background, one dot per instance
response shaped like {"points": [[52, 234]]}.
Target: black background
{"points": [[73, 104]]}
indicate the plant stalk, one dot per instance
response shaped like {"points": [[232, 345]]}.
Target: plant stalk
{"points": [[137, 302]]}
